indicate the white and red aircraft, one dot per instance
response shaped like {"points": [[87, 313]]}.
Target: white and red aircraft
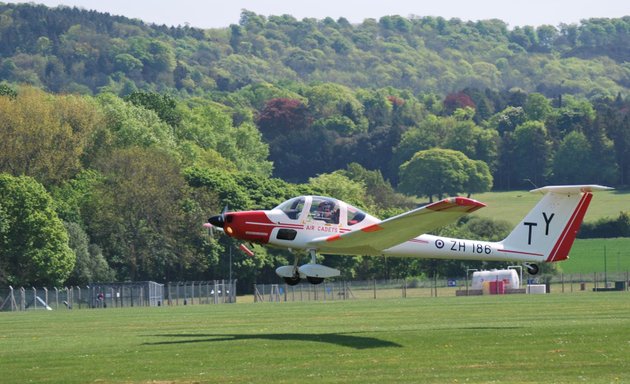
{"points": [[331, 226]]}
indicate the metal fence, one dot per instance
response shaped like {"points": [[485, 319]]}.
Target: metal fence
{"points": [[327, 291], [200, 292], [140, 294], [408, 288], [118, 295]]}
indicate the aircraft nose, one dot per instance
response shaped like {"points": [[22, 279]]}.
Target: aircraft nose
{"points": [[217, 221]]}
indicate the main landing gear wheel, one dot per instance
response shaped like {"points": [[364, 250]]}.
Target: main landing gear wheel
{"points": [[532, 269], [315, 280], [295, 280]]}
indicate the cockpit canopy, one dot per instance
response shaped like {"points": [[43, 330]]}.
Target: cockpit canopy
{"points": [[326, 209]]}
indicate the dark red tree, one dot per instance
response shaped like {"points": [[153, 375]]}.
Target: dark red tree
{"points": [[280, 116], [457, 100]]}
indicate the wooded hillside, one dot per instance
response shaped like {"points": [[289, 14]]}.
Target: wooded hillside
{"points": [[137, 133]]}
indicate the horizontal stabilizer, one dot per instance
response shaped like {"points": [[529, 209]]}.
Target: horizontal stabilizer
{"points": [[571, 188]]}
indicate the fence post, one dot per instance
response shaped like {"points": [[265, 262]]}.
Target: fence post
{"points": [[13, 305], [68, 298], [22, 299]]}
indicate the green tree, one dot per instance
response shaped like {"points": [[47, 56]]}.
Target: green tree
{"points": [[144, 218], [378, 190], [129, 125], [537, 107], [532, 152], [90, 265], [328, 100], [339, 186], [163, 105], [7, 91], [209, 126], [45, 136], [479, 178], [34, 246], [428, 134], [74, 195], [573, 163], [435, 172]]}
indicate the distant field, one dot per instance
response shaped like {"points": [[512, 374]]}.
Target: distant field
{"points": [[563, 338], [587, 255], [512, 206]]}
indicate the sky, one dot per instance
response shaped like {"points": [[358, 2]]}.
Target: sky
{"points": [[222, 13]]}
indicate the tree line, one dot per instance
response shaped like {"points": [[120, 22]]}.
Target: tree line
{"points": [[67, 49]]}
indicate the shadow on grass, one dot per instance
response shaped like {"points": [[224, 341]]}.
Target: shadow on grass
{"points": [[344, 340]]}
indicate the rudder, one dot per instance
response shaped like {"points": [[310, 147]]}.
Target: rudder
{"points": [[549, 229]]}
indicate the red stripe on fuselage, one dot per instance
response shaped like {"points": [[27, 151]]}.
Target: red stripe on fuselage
{"points": [[520, 253]]}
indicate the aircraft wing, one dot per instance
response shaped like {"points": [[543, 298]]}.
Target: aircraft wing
{"points": [[375, 238]]}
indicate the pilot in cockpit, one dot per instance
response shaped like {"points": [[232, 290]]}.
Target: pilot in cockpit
{"points": [[327, 211]]}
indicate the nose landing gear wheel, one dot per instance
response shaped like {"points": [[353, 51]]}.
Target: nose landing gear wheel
{"points": [[315, 280]]}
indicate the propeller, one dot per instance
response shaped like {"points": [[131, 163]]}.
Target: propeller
{"points": [[246, 250], [217, 221]]}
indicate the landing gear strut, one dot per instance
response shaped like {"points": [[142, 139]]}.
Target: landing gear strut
{"points": [[295, 279]]}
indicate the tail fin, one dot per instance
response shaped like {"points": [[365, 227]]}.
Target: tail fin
{"points": [[548, 230]]}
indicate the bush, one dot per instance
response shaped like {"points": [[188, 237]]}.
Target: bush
{"points": [[607, 227]]}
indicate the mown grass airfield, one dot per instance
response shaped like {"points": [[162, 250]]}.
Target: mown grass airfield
{"points": [[554, 338]]}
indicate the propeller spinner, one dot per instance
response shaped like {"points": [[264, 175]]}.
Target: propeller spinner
{"points": [[218, 220]]}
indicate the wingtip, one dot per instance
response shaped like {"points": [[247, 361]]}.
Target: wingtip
{"points": [[467, 204], [472, 204]]}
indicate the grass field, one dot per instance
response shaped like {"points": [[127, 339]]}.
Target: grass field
{"points": [[512, 206], [587, 255], [511, 339]]}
